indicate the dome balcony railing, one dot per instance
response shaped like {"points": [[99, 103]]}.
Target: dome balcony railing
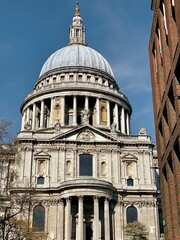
{"points": [[71, 85]]}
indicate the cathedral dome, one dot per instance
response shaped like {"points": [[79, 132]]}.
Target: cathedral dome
{"points": [[76, 55]]}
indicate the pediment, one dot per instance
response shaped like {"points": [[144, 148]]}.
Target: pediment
{"points": [[129, 157], [41, 154], [86, 134]]}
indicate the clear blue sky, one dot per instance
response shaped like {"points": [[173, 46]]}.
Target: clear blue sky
{"points": [[31, 30]]}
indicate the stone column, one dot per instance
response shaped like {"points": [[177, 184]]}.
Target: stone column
{"points": [[61, 220], [86, 103], [51, 112], [97, 111], [127, 123], [108, 113], [28, 115], [74, 110], [22, 121], [34, 117], [80, 217], [122, 120], [96, 218], [42, 115], [106, 219], [62, 110], [116, 116], [68, 219]]}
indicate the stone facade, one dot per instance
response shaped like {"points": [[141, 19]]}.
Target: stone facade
{"points": [[90, 176]]}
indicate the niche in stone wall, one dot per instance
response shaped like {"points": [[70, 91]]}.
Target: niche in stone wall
{"points": [[68, 164], [68, 167], [42, 166], [57, 109], [130, 168], [103, 112], [103, 168]]}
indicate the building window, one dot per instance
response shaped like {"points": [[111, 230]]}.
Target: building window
{"points": [[62, 77], [39, 218], [88, 78], [85, 165], [80, 77], [130, 182], [40, 180], [71, 77], [131, 214]]}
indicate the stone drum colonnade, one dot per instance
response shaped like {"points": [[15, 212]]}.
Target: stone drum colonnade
{"points": [[71, 110]]}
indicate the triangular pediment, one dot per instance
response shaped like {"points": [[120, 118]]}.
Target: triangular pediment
{"points": [[41, 154], [129, 157], [86, 133]]}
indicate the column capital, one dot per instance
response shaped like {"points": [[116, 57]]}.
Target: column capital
{"points": [[107, 200], [81, 198], [68, 199], [96, 198], [61, 201]]}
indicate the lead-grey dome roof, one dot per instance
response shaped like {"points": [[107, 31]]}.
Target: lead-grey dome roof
{"points": [[76, 55]]}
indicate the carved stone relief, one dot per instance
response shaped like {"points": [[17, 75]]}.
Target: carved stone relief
{"points": [[86, 136]]}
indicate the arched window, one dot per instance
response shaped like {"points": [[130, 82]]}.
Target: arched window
{"points": [[85, 165], [40, 180], [130, 182], [39, 218], [131, 214]]}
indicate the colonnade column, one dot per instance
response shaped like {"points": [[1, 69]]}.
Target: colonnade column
{"points": [[116, 116], [106, 219], [51, 112], [42, 115], [62, 110], [97, 111], [122, 120], [108, 114], [96, 218], [80, 217], [61, 220], [34, 117], [28, 115], [74, 111], [68, 219], [127, 123], [86, 103], [23, 121]]}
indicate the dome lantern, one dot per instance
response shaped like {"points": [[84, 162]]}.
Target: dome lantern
{"points": [[77, 31]]}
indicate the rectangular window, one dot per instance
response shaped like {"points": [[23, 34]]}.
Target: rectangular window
{"points": [[155, 57], [85, 165]]}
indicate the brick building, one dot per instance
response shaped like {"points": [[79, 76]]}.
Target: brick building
{"points": [[164, 51]]}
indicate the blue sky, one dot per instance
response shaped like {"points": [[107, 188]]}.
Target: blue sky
{"points": [[31, 30]]}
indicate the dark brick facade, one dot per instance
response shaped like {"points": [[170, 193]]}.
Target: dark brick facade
{"points": [[164, 52]]}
